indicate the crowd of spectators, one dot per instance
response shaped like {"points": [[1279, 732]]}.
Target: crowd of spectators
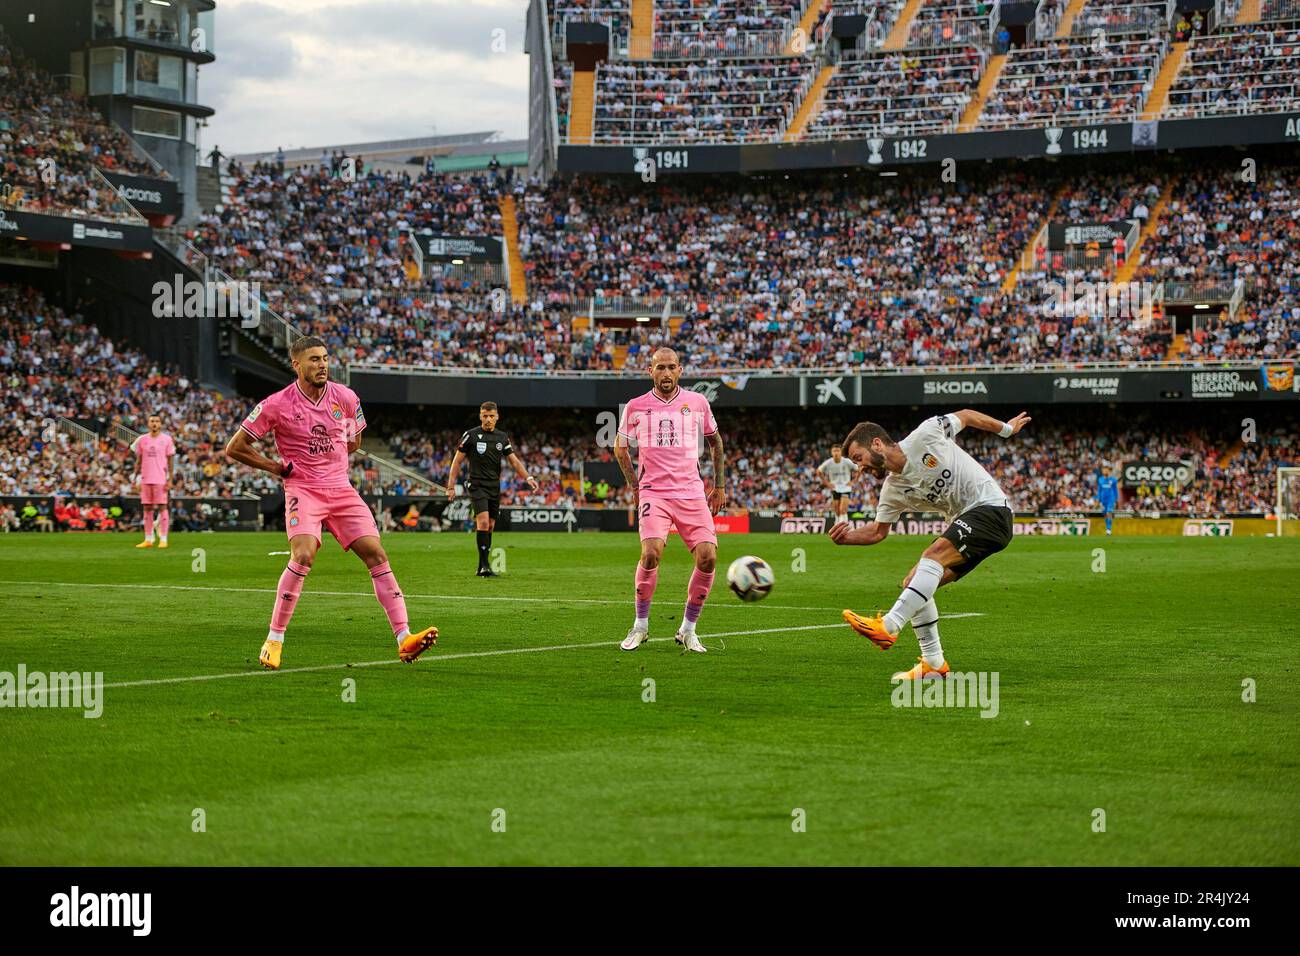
{"points": [[51, 143], [762, 273], [1051, 467], [698, 101], [1122, 16], [951, 22], [1075, 80], [55, 365], [906, 92], [1252, 69]]}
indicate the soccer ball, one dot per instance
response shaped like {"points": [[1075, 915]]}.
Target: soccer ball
{"points": [[751, 578]]}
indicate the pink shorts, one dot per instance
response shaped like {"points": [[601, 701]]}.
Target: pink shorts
{"points": [[340, 511], [691, 516], [153, 494]]}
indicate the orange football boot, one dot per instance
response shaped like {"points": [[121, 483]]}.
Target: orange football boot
{"points": [[872, 628]]}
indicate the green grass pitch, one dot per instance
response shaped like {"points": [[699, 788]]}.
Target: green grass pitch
{"points": [[1120, 691]]}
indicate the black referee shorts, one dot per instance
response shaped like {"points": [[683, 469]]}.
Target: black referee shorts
{"points": [[978, 533], [489, 501]]}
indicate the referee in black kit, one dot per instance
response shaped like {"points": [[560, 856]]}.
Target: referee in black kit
{"points": [[485, 448]]}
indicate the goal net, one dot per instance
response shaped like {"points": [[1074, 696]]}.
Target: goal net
{"points": [[1288, 502]]}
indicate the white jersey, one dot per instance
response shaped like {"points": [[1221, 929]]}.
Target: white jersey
{"points": [[839, 474], [939, 476]]}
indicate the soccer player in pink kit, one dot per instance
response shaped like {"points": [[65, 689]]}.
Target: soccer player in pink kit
{"points": [[669, 426], [317, 425], [155, 463]]}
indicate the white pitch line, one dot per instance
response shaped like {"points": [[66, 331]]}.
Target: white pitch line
{"points": [[452, 657], [422, 597]]}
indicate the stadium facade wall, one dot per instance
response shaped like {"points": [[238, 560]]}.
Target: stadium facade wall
{"points": [[882, 152]]}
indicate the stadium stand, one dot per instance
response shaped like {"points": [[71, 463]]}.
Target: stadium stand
{"points": [[41, 122], [699, 101], [776, 454], [724, 28], [331, 259], [54, 365], [1122, 16], [1242, 70], [1073, 80], [911, 93], [953, 23]]}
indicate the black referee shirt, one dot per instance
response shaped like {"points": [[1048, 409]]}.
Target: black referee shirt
{"points": [[485, 450]]}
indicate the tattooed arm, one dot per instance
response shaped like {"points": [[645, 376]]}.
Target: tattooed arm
{"points": [[718, 496]]}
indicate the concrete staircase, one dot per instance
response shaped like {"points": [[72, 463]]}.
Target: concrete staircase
{"points": [[1072, 11], [811, 105], [641, 46], [897, 38], [1129, 269], [510, 226], [1027, 257], [801, 39], [1158, 98], [971, 115], [1176, 348], [582, 107], [207, 187]]}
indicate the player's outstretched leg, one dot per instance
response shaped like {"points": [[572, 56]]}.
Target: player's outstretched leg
{"points": [[919, 590], [931, 663], [286, 599], [647, 579], [409, 646], [697, 592]]}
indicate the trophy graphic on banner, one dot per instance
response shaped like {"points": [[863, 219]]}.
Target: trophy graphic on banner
{"points": [[1053, 140], [875, 144]]}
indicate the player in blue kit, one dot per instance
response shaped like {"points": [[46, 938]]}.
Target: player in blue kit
{"points": [[1108, 494]]}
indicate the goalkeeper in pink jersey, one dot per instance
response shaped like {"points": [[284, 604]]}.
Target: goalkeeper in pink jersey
{"points": [[317, 425], [670, 426]]}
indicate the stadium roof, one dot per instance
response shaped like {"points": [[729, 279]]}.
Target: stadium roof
{"points": [[397, 150]]}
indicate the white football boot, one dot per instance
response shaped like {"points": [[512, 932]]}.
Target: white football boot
{"points": [[635, 638], [690, 642]]}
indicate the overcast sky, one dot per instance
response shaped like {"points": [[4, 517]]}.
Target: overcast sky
{"points": [[297, 73]]}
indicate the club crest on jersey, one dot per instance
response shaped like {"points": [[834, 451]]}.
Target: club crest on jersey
{"points": [[481, 447], [686, 409], [929, 460], [336, 411]]}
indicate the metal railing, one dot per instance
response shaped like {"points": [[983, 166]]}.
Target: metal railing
{"points": [[78, 433], [390, 470], [1146, 16], [821, 370]]}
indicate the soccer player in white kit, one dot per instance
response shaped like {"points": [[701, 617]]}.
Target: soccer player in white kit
{"points": [[836, 473], [927, 471]]}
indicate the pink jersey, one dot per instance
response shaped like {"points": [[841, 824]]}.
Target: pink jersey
{"points": [[153, 454], [312, 435], [669, 436]]}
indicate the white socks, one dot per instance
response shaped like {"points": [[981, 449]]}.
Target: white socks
{"points": [[641, 624], [926, 626], [275, 636], [914, 597], [688, 627]]}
